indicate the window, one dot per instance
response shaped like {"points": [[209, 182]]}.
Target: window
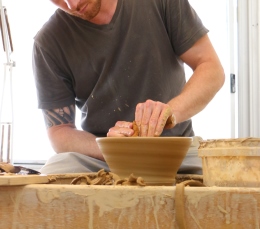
{"points": [[215, 120], [29, 135]]}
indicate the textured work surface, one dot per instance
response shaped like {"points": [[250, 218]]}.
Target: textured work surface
{"points": [[80, 206], [23, 179]]}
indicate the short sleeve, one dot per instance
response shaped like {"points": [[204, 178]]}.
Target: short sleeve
{"points": [[183, 25], [53, 86]]}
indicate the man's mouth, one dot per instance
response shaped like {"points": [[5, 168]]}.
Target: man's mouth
{"points": [[82, 9]]}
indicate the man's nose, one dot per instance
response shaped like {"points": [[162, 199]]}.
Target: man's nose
{"points": [[72, 4]]}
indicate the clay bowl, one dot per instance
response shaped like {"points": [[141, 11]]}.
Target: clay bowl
{"points": [[155, 159]]}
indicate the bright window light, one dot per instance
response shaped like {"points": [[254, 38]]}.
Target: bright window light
{"points": [[26, 18]]}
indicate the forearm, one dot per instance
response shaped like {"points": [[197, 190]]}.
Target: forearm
{"points": [[205, 82], [66, 138]]}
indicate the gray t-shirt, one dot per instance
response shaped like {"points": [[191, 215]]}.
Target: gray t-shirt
{"points": [[108, 69]]}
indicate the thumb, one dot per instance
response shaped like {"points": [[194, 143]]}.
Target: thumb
{"points": [[171, 122]]}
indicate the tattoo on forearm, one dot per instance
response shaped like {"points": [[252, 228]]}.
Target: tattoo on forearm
{"points": [[59, 116]]}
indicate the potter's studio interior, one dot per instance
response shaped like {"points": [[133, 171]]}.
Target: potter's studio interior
{"points": [[130, 114]]}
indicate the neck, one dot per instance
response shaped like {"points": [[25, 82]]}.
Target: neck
{"points": [[106, 13]]}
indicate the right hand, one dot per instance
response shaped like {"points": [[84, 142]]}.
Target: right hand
{"points": [[152, 117]]}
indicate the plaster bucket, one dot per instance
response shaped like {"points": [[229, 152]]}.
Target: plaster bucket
{"points": [[231, 162]]}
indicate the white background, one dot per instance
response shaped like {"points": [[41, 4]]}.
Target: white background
{"points": [[27, 17]]}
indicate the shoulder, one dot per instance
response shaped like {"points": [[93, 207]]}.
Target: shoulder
{"points": [[51, 24], [56, 29]]}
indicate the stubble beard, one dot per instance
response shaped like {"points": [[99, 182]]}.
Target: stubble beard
{"points": [[94, 8]]}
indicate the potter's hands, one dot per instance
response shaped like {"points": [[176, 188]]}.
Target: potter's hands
{"points": [[121, 129], [152, 117]]}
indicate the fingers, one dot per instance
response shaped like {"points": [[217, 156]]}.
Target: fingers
{"points": [[143, 114], [171, 122], [121, 129], [165, 114], [152, 116]]}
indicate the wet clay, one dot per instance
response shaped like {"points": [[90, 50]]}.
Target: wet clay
{"points": [[136, 130], [169, 123], [156, 160], [110, 207], [180, 201], [107, 178], [171, 120]]}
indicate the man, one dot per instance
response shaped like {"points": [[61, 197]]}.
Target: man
{"points": [[119, 61]]}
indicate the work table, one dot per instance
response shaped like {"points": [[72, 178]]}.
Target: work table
{"points": [[121, 207]]}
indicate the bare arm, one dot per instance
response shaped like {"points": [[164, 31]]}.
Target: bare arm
{"points": [[64, 136], [208, 77]]}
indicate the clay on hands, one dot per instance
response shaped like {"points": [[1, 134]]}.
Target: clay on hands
{"points": [[170, 122], [136, 130]]}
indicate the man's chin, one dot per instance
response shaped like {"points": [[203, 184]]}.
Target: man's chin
{"points": [[83, 16]]}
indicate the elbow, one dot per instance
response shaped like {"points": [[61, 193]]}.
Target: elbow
{"points": [[221, 78], [56, 143], [217, 75], [58, 148], [59, 137]]}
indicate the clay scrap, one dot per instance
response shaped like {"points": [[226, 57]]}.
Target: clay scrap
{"points": [[107, 178], [7, 168]]}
